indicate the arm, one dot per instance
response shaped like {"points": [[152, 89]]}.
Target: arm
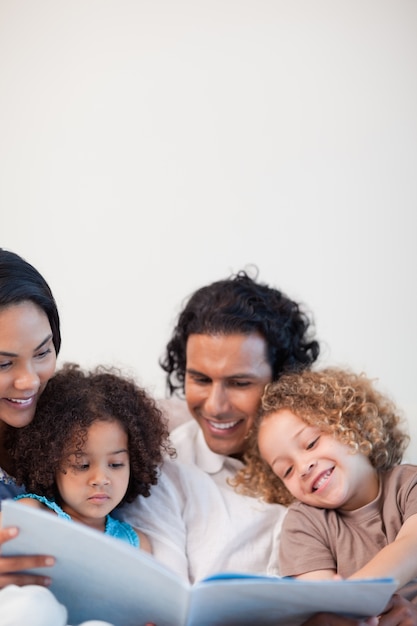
{"points": [[160, 518], [396, 560], [144, 542], [328, 619], [318, 574]]}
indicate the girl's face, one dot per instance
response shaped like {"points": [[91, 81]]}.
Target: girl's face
{"points": [[315, 467], [27, 361], [93, 483]]}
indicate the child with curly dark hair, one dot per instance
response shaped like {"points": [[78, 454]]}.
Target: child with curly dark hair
{"points": [[96, 441], [333, 443]]}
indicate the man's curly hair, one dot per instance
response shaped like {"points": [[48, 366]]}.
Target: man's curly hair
{"points": [[338, 402], [71, 402], [240, 304]]}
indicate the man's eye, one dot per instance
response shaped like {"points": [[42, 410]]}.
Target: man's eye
{"points": [[201, 380]]}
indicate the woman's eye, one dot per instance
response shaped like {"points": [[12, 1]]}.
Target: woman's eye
{"points": [[5, 365], [44, 353]]}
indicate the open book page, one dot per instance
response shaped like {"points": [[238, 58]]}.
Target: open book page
{"points": [[99, 577]]}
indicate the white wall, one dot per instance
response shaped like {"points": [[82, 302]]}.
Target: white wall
{"points": [[148, 147]]}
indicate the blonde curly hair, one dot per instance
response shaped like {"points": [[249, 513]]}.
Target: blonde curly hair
{"points": [[339, 402]]}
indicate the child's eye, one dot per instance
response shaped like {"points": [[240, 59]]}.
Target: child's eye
{"points": [[313, 443], [5, 365], [80, 467], [116, 465], [287, 472]]}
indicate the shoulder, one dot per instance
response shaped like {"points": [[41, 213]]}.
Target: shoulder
{"points": [[31, 501], [399, 476], [183, 432], [301, 516], [175, 411]]}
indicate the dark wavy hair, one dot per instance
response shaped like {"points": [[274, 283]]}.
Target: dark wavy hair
{"points": [[340, 403], [72, 401], [20, 282], [240, 304]]}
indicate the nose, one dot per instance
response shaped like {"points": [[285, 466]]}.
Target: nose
{"points": [[98, 478], [27, 378], [306, 468], [217, 400]]}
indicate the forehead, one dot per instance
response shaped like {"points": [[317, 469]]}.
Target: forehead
{"points": [[227, 355], [102, 433], [283, 420], [279, 430], [23, 321]]}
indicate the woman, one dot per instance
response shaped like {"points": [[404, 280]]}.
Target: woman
{"points": [[30, 339]]}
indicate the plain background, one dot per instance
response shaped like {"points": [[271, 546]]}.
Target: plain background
{"points": [[150, 147]]}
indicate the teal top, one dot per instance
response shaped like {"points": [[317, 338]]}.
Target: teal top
{"points": [[114, 527]]}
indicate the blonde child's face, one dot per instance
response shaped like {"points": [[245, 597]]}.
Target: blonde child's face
{"points": [[315, 467], [93, 483]]}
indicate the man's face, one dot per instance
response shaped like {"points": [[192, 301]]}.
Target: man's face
{"points": [[224, 382]]}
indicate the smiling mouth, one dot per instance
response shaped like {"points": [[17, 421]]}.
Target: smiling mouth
{"points": [[21, 401], [223, 425], [322, 480]]}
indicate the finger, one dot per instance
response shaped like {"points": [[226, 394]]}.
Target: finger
{"points": [[10, 564], [7, 533], [24, 579]]}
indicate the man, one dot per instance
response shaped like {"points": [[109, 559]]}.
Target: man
{"points": [[232, 338]]}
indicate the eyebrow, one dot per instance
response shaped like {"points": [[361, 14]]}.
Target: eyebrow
{"points": [[190, 370], [11, 354], [83, 453]]}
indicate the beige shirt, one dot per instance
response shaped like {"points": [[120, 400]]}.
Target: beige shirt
{"points": [[314, 539], [197, 523]]}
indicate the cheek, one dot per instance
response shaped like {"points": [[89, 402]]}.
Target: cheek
{"points": [[49, 370], [194, 393], [247, 402]]}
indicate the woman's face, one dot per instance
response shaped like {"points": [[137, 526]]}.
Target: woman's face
{"points": [[27, 361]]}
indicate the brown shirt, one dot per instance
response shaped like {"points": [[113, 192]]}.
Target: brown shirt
{"points": [[313, 539]]}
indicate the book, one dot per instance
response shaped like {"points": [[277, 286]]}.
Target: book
{"points": [[100, 577]]}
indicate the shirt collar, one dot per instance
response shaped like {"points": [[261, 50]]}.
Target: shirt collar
{"points": [[209, 461]]}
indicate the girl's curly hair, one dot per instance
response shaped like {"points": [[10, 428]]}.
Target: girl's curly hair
{"points": [[340, 403], [73, 400]]}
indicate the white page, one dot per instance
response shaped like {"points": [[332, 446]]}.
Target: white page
{"points": [[99, 577]]}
